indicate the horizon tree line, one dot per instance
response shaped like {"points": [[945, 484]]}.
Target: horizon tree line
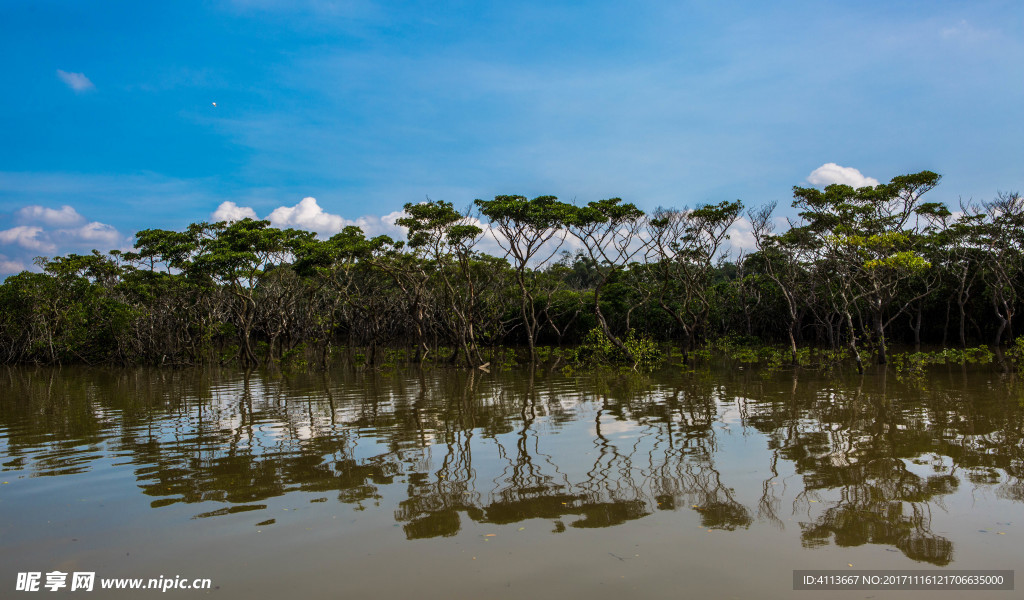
{"points": [[857, 269]]}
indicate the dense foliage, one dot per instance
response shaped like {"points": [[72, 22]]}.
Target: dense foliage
{"points": [[859, 269]]}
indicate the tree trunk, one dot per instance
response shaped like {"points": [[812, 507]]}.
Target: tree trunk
{"points": [[607, 331], [853, 342], [963, 325], [1003, 322], [880, 331], [917, 329], [792, 346]]}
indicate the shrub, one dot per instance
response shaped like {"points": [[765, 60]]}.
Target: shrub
{"points": [[599, 351]]}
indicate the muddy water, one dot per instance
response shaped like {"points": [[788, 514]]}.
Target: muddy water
{"points": [[450, 484]]}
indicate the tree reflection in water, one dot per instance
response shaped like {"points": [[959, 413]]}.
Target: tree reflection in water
{"points": [[857, 461]]}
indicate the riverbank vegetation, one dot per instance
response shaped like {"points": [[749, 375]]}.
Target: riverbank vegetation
{"points": [[856, 272]]}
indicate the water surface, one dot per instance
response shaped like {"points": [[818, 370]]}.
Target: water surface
{"points": [[453, 484]]}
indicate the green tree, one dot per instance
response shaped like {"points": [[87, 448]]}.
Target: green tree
{"points": [[447, 238], [1002, 236], [530, 232], [609, 232], [865, 237], [239, 256], [682, 248]]}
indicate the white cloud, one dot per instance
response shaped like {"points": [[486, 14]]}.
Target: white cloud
{"points": [[830, 173], [388, 222], [27, 237], [10, 267], [53, 232], [76, 81], [307, 214], [229, 211], [64, 217], [373, 225], [741, 236], [94, 233]]}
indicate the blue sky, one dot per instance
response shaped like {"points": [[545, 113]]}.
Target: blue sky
{"points": [[364, 106]]}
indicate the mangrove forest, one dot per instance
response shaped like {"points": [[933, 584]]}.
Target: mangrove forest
{"points": [[856, 271]]}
